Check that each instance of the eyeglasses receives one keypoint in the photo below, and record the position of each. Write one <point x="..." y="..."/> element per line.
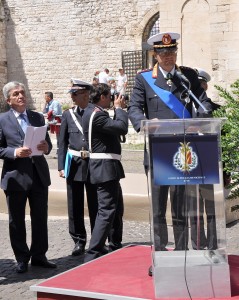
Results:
<point x="80" y="92"/>
<point x="167" y="53"/>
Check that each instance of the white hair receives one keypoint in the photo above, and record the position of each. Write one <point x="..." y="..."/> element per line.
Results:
<point x="11" y="85"/>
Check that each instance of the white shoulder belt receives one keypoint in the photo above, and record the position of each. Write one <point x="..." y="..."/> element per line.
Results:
<point x="76" y="121"/>
<point x="99" y="155"/>
<point x="82" y="153"/>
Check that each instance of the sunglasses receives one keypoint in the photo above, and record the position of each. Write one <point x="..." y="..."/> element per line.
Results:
<point x="80" y="92"/>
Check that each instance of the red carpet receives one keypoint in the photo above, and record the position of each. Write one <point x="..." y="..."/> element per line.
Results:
<point x="119" y="275"/>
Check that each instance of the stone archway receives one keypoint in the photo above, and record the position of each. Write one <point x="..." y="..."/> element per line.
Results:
<point x="134" y="61"/>
<point x="152" y="27"/>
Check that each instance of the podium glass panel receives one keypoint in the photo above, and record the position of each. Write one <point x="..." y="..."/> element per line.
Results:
<point x="189" y="255"/>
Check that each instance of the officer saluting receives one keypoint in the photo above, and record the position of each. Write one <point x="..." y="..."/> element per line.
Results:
<point x="148" y="101"/>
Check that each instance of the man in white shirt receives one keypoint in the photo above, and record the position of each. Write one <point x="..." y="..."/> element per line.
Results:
<point x="104" y="76"/>
<point x="122" y="82"/>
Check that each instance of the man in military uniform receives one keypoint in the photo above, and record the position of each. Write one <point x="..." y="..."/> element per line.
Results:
<point x="148" y="101"/>
<point x="73" y="158"/>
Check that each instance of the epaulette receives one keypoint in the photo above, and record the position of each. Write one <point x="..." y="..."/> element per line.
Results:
<point x="96" y="109"/>
<point x="155" y="71"/>
<point x="145" y="70"/>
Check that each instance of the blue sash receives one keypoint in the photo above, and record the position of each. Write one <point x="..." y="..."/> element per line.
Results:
<point x="168" y="98"/>
<point x="67" y="164"/>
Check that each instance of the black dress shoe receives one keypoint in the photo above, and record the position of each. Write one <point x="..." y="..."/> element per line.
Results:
<point x="22" y="267"/>
<point x="105" y="250"/>
<point x="150" y="271"/>
<point x="114" y="247"/>
<point x="78" y="249"/>
<point x="43" y="263"/>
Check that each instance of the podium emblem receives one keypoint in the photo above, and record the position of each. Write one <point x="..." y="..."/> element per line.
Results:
<point x="185" y="159"/>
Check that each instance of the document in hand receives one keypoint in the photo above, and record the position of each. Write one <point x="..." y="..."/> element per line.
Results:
<point x="33" y="137"/>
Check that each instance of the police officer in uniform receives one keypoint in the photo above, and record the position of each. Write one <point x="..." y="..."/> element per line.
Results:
<point x="148" y="102"/>
<point x="73" y="158"/>
<point x="204" y="78"/>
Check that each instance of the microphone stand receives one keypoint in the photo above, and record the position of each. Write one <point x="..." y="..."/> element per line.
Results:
<point x="190" y="93"/>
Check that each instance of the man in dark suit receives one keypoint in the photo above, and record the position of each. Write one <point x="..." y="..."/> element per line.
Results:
<point x="103" y="135"/>
<point x="73" y="153"/>
<point x="24" y="177"/>
<point x="160" y="94"/>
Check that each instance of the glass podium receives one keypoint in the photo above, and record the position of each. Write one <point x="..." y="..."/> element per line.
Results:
<point x="188" y="224"/>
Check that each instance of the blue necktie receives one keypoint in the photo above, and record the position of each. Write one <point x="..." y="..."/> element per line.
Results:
<point x="23" y="122"/>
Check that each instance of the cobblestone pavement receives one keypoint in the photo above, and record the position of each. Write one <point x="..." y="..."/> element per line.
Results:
<point x="16" y="286"/>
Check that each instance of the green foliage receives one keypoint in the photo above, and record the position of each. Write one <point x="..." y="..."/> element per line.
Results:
<point x="230" y="135"/>
<point x="65" y="106"/>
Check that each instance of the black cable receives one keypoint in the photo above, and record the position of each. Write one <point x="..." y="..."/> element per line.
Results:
<point x="186" y="240"/>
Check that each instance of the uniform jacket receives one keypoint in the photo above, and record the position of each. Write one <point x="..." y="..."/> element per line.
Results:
<point x="17" y="173"/>
<point x="105" y="139"/>
<point x="71" y="137"/>
<point x="145" y="104"/>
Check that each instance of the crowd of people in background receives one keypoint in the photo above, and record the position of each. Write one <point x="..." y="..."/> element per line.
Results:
<point x="118" y="84"/>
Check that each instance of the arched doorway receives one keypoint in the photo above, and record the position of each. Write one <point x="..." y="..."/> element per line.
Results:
<point x="134" y="61"/>
<point x="151" y="28"/>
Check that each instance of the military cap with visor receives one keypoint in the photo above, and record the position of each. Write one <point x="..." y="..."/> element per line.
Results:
<point x="203" y="75"/>
<point x="164" y="41"/>
<point x="78" y="84"/>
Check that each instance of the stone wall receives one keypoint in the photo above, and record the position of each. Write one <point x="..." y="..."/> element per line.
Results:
<point x="50" y="41"/>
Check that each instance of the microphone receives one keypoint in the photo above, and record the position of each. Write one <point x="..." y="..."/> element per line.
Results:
<point x="180" y="79"/>
<point x="181" y="76"/>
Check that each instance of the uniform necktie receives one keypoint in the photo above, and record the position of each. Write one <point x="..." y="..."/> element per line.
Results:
<point x="169" y="79"/>
<point x="23" y="122"/>
<point x="80" y="111"/>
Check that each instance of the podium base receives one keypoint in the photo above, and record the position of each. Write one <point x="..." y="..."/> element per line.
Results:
<point x="172" y="278"/>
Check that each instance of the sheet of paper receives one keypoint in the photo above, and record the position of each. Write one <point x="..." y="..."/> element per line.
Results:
<point x="33" y="137"/>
